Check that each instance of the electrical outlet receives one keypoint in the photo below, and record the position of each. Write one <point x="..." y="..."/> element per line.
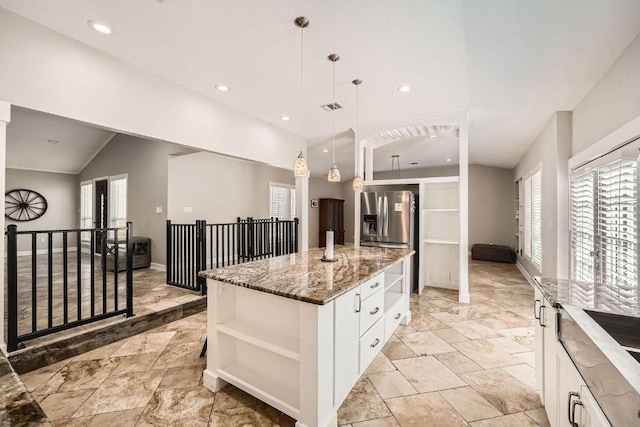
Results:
<point x="158" y="209"/>
<point x="187" y="209"/>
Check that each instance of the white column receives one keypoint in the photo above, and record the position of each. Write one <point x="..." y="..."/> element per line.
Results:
<point x="359" y="159"/>
<point x="5" y="118"/>
<point x="302" y="211"/>
<point x="463" y="192"/>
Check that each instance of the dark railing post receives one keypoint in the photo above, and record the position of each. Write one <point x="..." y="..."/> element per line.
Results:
<point x="250" y="238"/>
<point x="12" y="288"/>
<point x="296" y="222"/>
<point x="129" y="269"/>
<point x="201" y="254"/>
<point x="169" y="260"/>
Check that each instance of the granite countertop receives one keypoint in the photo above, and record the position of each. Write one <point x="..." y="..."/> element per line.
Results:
<point x="304" y="277"/>
<point x="590" y="296"/>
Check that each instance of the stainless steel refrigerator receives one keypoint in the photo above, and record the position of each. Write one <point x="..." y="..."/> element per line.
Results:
<point x="388" y="220"/>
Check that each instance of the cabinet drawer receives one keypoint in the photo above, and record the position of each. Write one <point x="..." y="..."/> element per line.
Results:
<point x="392" y="319"/>
<point x="371" y="310"/>
<point x="370" y="345"/>
<point x="371" y="286"/>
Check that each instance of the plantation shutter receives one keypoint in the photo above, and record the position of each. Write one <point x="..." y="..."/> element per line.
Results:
<point x="536" y="219"/>
<point x="118" y="203"/>
<point x="527" y="217"/>
<point x="617" y="233"/>
<point x="582" y="226"/>
<point x="282" y="201"/>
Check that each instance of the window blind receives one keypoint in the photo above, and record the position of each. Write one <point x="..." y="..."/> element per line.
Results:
<point x="118" y="203"/>
<point x="617" y="233"/>
<point x="536" y="219"/>
<point x="86" y="208"/>
<point x="582" y="225"/>
<point x="282" y="201"/>
<point x="527" y="217"/>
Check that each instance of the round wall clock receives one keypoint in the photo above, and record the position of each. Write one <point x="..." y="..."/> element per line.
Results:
<point x="24" y="205"/>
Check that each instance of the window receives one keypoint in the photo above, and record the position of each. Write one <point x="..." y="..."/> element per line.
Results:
<point x="282" y="201"/>
<point x="533" y="218"/>
<point x="604" y="229"/>
<point x="118" y="203"/>
<point x="86" y="208"/>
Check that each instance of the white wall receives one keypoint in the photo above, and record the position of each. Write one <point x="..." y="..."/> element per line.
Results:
<point x="613" y="101"/>
<point x="219" y="189"/>
<point x="46" y="71"/>
<point x="61" y="192"/>
<point x="551" y="150"/>
<point x="145" y="163"/>
<point x="322" y="189"/>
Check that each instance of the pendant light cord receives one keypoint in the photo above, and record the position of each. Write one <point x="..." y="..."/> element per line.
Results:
<point x="301" y="76"/>
<point x="333" y="114"/>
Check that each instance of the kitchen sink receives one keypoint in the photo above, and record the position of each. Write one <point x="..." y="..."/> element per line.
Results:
<point x="624" y="329"/>
<point x="635" y="354"/>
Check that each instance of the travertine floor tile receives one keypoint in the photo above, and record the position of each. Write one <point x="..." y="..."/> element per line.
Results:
<point x="62" y="405"/>
<point x="503" y="320"/>
<point x="192" y="335"/>
<point x="539" y="416"/>
<point x="486" y="354"/>
<point x="528" y="357"/>
<point x="503" y="391"/>
<point x="515" y="420"/>
<point x="395" y="349"/>
<point x="391" y="384"/>
<point x="127" y="418"/>
<point x="426" y="343"/>
<point x="427" y="374"/>
<point x="145" y="343"/>
<point x="474" y="330"/>
<point x="80" y="375"/>
<point x="457" y="314"/>
<point x="524" y="373"/>
<point x="381" y="422"/>
<point x="362" y="404"/>
<point x="470" y="404"/>
<point x="450" y="335"/>
<point x="425" y="322"/>
<point x="458" y="362"/>
<point x="232" y="397"/>
<point x="101" y="352"/>
<point x="72" y="422"/>
<point x="183" y="407"/>
<point x="260" y="415"/>
<point x="509" y="345"/>
<point x="422" y="410"/>
<point x="380" y="364"/>
<point x="136" y="363"/>
<point x="182" y="354"/>
<point x="181" y="377"/>
<point x="122" y="392"/>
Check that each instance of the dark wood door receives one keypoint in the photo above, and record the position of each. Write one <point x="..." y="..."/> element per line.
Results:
<point x="100" y="209"/>
<point x="331" y="218"/>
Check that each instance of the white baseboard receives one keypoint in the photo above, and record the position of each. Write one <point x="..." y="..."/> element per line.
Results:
<point x="525" y="273"/>
<point x="157" y="266"/>
<point x="45" y="251"/>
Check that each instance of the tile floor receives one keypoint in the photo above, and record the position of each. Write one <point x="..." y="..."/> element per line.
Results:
<point x="455" y="365"/>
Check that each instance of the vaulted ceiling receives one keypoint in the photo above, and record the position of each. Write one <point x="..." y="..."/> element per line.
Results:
<point x="512" y="63"/>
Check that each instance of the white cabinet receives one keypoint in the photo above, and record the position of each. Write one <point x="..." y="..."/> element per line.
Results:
<point x="546" y="343"/>
<point x="440" y="235"/>
<point x="346" y="339"/>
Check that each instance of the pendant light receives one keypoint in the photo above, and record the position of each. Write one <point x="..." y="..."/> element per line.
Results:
<point x="334" y="173"/>
<point x="358" y="183"/>
<point x="300" y="167"/>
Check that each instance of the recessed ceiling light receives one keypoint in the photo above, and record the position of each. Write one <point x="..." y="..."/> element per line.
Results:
<point x="433" y="135"/>
<point x="100" y="27"/>
<point x="404" y="88"/>
<point x="52" y="141"/>
<point x="222" y="88"/>
<point x="285" y="118"/>
<point x="448" y="160"/>
<point x="413" y="163"/>
<point x="325" y="150"/>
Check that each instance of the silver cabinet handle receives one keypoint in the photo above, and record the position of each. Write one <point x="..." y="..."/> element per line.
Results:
<point x="374" y="311"/>
<point x="570" y="407"/>
<point x="374" y="286"/>
<point x="397" y="316"/>
<point x="540" y="318"/>
<point x="535" y="309"/>
<point x="375" y="343"/>
<point x="573" y="412"/>
<point x="358" y="303"/>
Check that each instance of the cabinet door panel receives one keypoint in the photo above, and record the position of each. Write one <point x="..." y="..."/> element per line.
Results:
<point x="347" y="334"/>
<point x="539" y="346"/>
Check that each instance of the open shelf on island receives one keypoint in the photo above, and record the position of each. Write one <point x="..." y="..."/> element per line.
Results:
<point x="390" y="299"/>
<point x="442" y="242"/>
<point x="260" y="337"/>
<point x="278" y="395"/>
<point x="391" y="279"/>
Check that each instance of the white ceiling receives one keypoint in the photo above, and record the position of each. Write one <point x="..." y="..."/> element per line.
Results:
<point x="511" y="62"/>
<point x="28" y="147"/>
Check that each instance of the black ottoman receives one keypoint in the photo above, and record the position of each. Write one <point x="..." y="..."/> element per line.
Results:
<point x="494" y="253"/>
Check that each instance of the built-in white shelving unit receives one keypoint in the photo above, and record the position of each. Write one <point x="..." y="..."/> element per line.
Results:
<point x="440" y="231"/>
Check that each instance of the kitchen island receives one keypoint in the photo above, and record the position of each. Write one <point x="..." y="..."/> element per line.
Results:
<point x="586" y="334"/>
<point x="297" y="332"/>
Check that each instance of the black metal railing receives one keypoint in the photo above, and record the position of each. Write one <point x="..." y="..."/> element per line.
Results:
<point x="195" y="247"/>
<point x="61" y="286"/>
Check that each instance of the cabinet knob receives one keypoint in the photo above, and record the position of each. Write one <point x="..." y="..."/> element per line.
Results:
<point x="374" y="286"/>
<point x="397" y="316"/>
<point x="375" y="343"/>
<point x="374" y="311"/>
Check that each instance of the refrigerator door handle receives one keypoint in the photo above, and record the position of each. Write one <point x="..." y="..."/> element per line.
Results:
<point x="380" y="217"/>
<point x="386" y="216"/>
